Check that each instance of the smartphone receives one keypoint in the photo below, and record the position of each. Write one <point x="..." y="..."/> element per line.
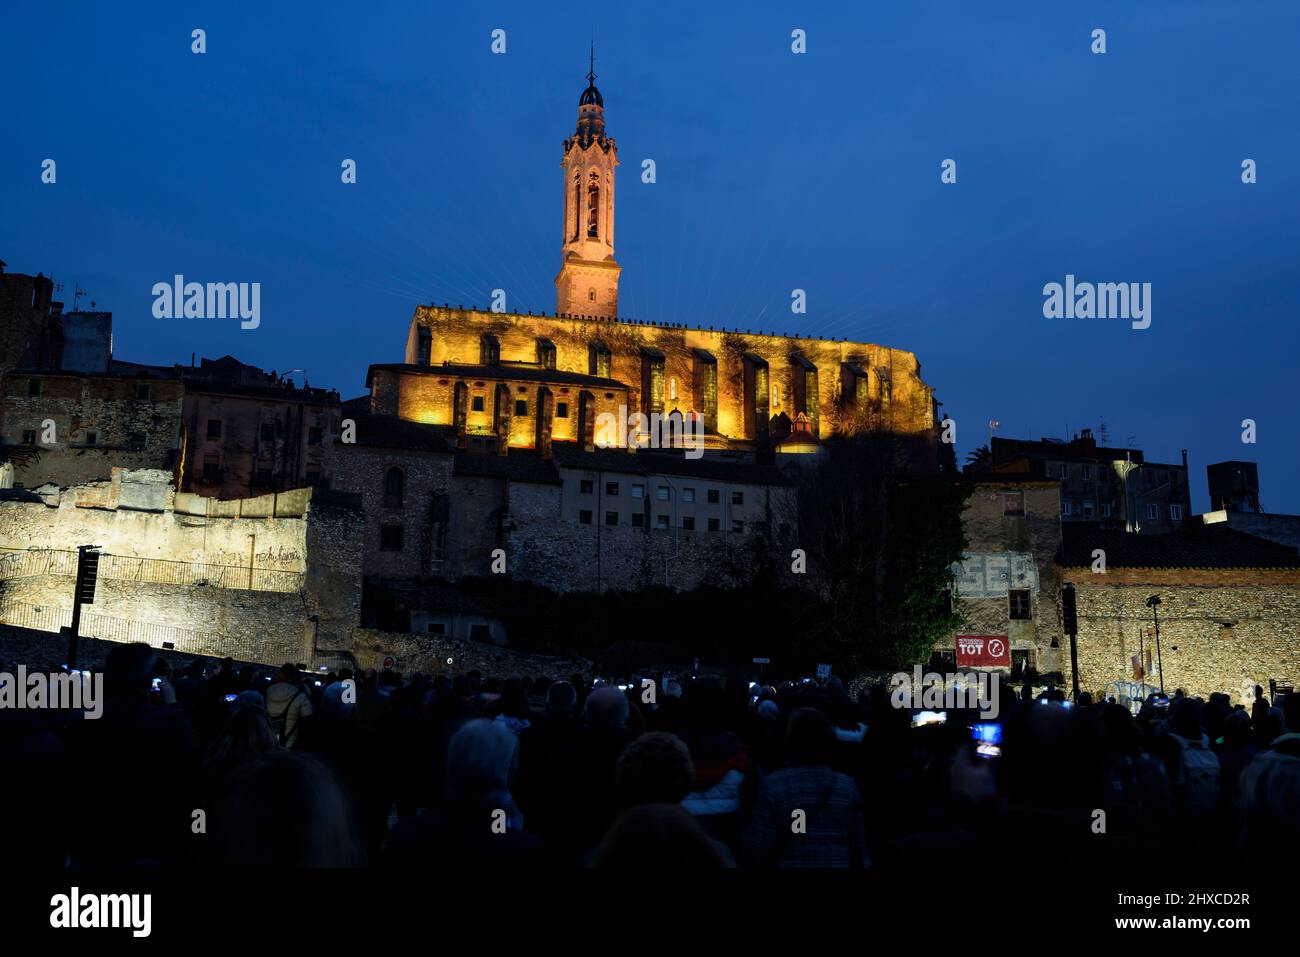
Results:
<point x="231" y="697"/>
<point x="922" y="718"/>
<point x="988" y="739"/>
<point x="156" y="684"/>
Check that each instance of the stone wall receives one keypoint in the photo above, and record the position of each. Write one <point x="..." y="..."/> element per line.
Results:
<point x="174" y="567"/>
<point x="100" y="423"/>
<point x="439" y="655"/>
<point x="1220" y="629"/>
<point x="361" y="469"/>
<point x="268" y="439"/>
<point x="566" y="556"/>
<point x="896" y="397"/>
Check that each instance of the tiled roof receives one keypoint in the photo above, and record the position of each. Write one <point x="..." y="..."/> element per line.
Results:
<point x="520" y="465"/>
<point x="1197" y="546"/>
<point x="390" y="432"/>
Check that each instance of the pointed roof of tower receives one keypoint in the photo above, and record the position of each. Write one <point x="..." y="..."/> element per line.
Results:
<point x="591" y="96"/>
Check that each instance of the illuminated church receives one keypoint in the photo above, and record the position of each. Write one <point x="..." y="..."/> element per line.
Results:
<point x="522" y="381"/>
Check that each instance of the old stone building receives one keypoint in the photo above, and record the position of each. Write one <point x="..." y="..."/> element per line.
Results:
<point x="1109" y="487"/>
<point x="499" y="446"/>
<point x="1007" y="583"/>
<point x="492" y="407"/>
<point x="247" y="431"/>
<point x="30" y="337"/>
<point x="739" y="382"/>
<point x="570" y="521"/>
<point x="276" y="577"/>
<point x="67" y="428"/>
<point x="1229" y="611"/>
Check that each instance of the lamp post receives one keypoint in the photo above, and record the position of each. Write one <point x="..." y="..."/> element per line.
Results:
<point x="1154" y="604"/>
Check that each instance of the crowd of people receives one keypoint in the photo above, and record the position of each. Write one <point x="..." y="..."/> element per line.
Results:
<point x="226" y="765"/>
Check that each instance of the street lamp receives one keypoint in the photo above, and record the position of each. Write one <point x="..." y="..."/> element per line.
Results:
<point x="1154" y="604"/>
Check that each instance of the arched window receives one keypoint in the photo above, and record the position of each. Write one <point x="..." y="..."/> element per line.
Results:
<point x="593" y="207"/>
<point x="577" y="204"/>
<point x="394" y="481"/>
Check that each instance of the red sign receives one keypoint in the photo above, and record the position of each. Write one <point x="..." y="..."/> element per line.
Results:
<point x="983" y="651"/>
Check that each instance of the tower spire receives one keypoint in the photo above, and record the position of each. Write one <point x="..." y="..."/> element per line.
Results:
<point x="588" y="281"/>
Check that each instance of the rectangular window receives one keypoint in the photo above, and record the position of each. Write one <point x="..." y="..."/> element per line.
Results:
<point x="521" y="406"/>
<point x="390" y="538"/>
<point x="1013" y="503"/>
<point x="1067" y="508"/>
<point x="1064" y="472"/>
<point x="611" y="488"/>
<point x="662" y="493"/>
<point x="1087" y="509"/>
<point x="611" y="518"/>
<point x="480" y="632"/>
<point x="638" y="520"/>
<point x="137" y="440"/>
<point x="211" y="472"/>
<point x="214" y="428"/>
<point x="1153" y="511"/>
<point x="1176" y="512"/>
<point x="143" y="391"/>
<point x="586" y="486"/>
<point x="737" y="526"/>
<point x="91" y="438"/>
<point x="714" y="496"/>
<point x="737" y="498"/>
<point x="1019" y="602"/>
<point x="688" y="495"/>
<point x="688" y="522"/>
<point x="1086" y="472"/>
<point x="715" y="525"/>
<point x="1105" y="509"/>
<point x="638" y="491"/>
<point x="314" y="435"/>
<point x="476" y="403"/>
<point x="661" y="521"/>
<point x="584" y="516"/>
<point x="561" y="410"/>
<point x="268" y="432"/>
<point x="29" y="436"/>
<point x="33" y="388"/>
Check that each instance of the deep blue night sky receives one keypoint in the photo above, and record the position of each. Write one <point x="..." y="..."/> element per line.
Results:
<point x="775" y="171"/>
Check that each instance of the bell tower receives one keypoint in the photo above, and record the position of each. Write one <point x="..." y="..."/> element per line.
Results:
<point x="587" y="284"/>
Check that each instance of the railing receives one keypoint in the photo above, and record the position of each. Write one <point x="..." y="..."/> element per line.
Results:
<point x="37" y="562"/>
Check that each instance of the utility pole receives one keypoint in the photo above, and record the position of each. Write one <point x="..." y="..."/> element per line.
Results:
<point x="1154" y="604"/>
<point x="1070" y="617"/>
<point x="83" y="593"/>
